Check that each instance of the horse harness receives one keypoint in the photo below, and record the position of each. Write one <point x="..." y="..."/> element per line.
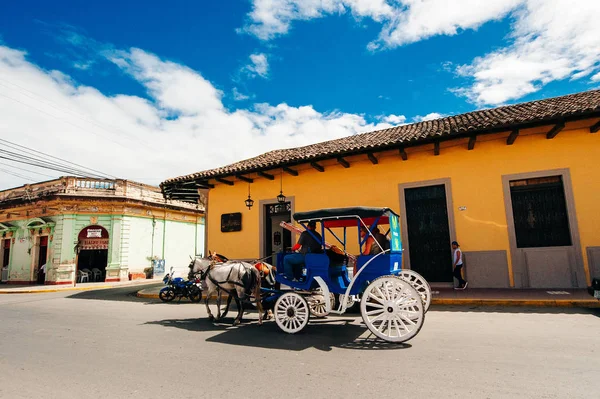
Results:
<point x="206" y="274"/>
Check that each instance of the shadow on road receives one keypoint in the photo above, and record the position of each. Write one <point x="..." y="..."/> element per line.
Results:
<point x="319" y="334"/>
<point x="126" y="294"/>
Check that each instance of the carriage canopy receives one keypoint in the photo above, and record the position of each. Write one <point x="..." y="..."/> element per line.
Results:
<point x="352" y="217"/>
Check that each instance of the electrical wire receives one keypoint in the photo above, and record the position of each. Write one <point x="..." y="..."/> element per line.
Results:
<point x="65" y="121"/>
<point x="49" y="103"/>
<point x="16" y="175"/>
<point x="31" y="151"/>
<point x="45" y="164"/>
<point x="27" y="170"/>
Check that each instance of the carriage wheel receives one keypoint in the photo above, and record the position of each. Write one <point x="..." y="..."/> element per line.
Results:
<point x="350" y="302"/>
<point x="291" y="312"/>
<point x="392" y="309"/>
<point x="317" y="303"/>
<point x="420" y="284"/>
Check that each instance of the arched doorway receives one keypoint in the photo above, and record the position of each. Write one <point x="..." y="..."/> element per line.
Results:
<point x="92" y="248"/>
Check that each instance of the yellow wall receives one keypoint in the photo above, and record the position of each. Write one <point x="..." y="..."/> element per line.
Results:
<point x="475" y="178"/>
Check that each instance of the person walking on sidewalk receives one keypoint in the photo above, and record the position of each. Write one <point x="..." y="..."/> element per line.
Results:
<point x="457" y="263"/>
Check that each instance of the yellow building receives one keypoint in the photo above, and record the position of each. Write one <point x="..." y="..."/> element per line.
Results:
<point x="518" y="187"/>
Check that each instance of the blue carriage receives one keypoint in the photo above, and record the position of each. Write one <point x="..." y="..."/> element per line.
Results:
<point x="392" y="301"/>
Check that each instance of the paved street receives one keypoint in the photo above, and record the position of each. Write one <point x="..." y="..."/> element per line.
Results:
<point x="110" y="344"/>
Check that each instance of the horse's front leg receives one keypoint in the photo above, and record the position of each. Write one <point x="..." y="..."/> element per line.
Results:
<point x="209" y="292"/>
<point x="218" y="304"/>
<point x="238" y="303"/>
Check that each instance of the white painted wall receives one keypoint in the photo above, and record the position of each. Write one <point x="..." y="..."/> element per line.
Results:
<point x="178" y="244"/>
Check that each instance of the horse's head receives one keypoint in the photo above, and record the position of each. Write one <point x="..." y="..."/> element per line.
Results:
<point x="198" y="266"/>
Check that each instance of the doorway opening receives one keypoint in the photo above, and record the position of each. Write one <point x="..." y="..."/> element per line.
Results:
<point x="41" y="260"/>
<point x="92" y="259"/>
<point x="277" y="239"/>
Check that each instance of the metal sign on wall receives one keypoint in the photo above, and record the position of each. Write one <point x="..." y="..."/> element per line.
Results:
<point x="231" y="222"/>
<point x="94" y="233"/>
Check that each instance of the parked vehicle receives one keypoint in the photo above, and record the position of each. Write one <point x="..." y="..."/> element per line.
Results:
<point x="178" y="287"/>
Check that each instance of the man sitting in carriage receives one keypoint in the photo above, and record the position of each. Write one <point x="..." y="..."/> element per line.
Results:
<point x="310" y="241"/>
<point x="376" y="242"/>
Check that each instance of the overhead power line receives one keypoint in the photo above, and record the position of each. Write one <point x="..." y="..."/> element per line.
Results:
<point x="11" y="156"/>
<point x="50" y="103"/>
<point x="17" y="175"/>
<point x="53" y="160"/>
<point x="26" y="170"/>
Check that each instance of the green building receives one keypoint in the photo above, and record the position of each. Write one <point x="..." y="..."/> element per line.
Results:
<point x="86" y="230"/>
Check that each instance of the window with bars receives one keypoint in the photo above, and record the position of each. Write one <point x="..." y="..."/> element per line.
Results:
<point x="540" y="212"/>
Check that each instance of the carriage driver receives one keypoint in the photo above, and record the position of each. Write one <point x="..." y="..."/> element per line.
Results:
<point x="306" y="244"/>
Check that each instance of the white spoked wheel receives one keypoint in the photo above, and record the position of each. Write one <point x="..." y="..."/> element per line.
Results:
<point x="392" y="309"/>
<point x="349" y="300"/>
<point x="291" y="312"/>
<point x="316" y="303"/>
<point x="420" y="284"/>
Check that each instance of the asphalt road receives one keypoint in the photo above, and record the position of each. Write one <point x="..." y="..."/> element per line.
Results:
<point x="110" y="344"/>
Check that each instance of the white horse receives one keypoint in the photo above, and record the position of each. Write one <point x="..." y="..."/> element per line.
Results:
<point x="238" y="279"/>
<point x="267" y="278"/>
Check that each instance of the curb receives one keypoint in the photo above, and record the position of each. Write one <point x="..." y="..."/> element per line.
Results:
<point x="43" y="291"/>
<point x="557" y="303"/>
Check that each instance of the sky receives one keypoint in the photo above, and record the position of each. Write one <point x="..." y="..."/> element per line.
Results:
<point x="148" y="90"/>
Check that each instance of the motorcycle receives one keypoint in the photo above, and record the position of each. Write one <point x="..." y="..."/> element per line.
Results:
<point x="178" y="287"/>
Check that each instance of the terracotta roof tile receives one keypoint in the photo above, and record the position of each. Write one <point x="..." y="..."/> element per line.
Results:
<point x="585" y="103"/>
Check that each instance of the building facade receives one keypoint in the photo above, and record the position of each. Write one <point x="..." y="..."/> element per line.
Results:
<point x="517" y="186"/>
<point x="94" y="230"/>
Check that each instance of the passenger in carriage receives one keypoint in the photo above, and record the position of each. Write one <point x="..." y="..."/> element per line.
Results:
<point x="371" y="247"/>
<point x="306" y="244"/>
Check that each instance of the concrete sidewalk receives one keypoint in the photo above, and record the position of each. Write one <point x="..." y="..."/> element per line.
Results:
<point x="487" y="297"/>
<point x="41" y="289"/>
<point x="515" y="297"/>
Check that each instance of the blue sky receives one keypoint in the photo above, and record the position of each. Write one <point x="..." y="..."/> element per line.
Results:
<point x="244" y="77"/>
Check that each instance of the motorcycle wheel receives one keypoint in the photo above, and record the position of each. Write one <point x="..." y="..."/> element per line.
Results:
<point x="167" y="295"/>
<point x="195" y="294"/>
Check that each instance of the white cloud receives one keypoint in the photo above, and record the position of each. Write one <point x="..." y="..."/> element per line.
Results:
<point x="415" y="20"/>
<point x="429" y="117"/>
<point x="549" y="40"/>
<point x="271" y="18"/>
<point x="393" y="119"/>
<point x="403" y="21"/>
<point x="259" y="66"/>
<point x="183" y="128"/>
<point x="552" y="40"/>
<point x="238" y="96"/>
<point x="596" y="77"/>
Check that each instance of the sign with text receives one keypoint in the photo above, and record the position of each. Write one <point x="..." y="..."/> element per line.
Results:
<point x="94" y="233"/>
<point x="231" y="222"/>
<point x="93" y="243"/>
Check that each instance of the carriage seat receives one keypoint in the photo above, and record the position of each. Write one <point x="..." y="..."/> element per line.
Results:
<point x="316" y="262"/>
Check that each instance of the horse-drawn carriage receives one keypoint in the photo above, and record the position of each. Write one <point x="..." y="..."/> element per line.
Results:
<point x="393" y="301"/>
